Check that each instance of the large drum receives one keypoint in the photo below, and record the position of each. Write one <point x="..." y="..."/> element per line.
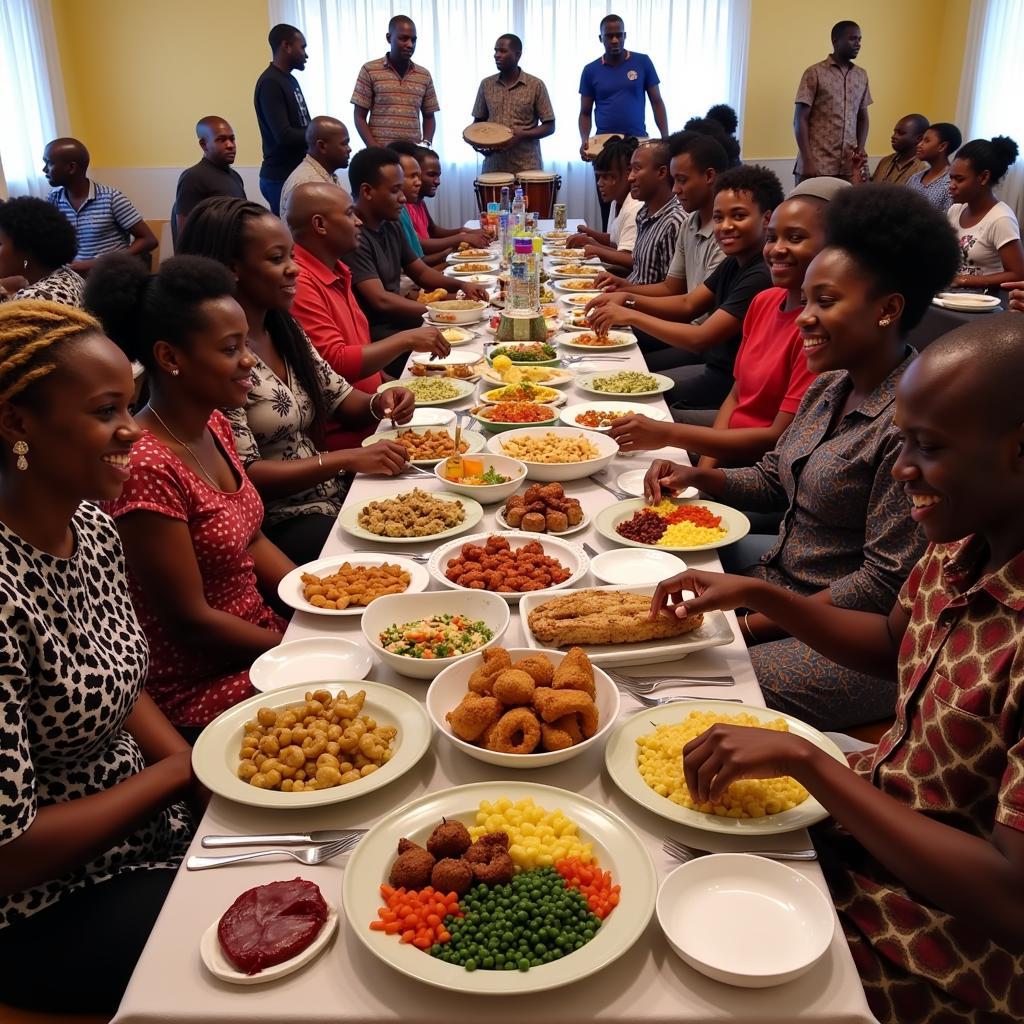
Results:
<point x="489" y="185"/>
<point x="540" y="189"/>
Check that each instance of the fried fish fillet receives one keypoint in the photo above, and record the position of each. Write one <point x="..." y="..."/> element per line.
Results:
<point x="603" y="617"/>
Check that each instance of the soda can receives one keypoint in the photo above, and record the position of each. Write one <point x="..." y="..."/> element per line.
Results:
<point x="561" y="216"/>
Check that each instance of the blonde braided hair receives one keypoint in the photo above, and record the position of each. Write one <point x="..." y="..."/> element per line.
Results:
<point x="31" y="330"/>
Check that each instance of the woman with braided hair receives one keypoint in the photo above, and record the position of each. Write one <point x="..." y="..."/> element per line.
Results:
<point x="91" y="774"/>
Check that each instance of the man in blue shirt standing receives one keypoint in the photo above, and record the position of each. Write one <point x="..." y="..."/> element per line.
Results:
<point x="619" y="84"/>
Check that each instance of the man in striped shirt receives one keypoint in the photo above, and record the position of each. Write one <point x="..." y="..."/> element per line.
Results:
<point x="103" y="217"/>
<point x="390" y="94"/>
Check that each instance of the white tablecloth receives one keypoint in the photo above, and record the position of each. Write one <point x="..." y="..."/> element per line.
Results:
<point x="347" y="983"/>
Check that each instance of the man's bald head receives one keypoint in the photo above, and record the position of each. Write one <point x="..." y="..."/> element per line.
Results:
<point x="217" y="140"/>
<point x="65" y="160"/>
<point x="327" y="142"/>
<point x="323" y="220"/>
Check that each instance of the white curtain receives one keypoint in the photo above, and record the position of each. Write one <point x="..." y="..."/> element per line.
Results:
<point x="699" y="48"/>
<point x="32" y="111"/>
<point x="993" y="84"/>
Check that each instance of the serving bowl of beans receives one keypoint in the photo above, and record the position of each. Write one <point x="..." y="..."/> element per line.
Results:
<point x="556" y="454"/>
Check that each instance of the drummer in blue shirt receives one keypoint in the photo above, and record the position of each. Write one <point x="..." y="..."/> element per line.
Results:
<point x="619" y="83"/>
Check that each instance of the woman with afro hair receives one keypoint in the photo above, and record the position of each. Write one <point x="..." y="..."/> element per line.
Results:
<point x="37" y="242"/>
<point x="847" y="538"/>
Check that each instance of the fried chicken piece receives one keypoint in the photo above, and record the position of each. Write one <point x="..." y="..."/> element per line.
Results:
<point x="495" y="660"/>
<point x="562" y="733"/>
<point x="473" y="716"/>
<point x="538" y="666"/>
<point x="575" y="672"/>
<point x="499" y="870"/>
<point x="514" y="686"/>
<point x="554" y="704"/>
<point x="449" y="839"/>
<point x="412" y="869"/>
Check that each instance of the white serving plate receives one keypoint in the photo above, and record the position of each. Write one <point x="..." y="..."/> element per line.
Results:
<point x="967" y="302"/>
<point x="559" y="472"/>
<point x="714" y="632"/>
<point x="492" y="268"/>
<point x="402" y="608"/>
<point x="557" y="271"/>
<point x="464" y="388"/>
<point x="223" y="969"/>
<point x="467" y="357"/>
<point x="349" y="520"/>
<point x="562" y="287"/>
<point x="484" y="280"/>
<point x="492" y="377"/>
<point x="458" y="335"/>
<point x="633" y="480"/>
<point x="745" y="920"/>
<point x="461" y="317"/>
<point x="424" y="416"/>
<point x="635" y="567"/>
<point x="584" y="382"/>
<point x="499" y="518"/>
<point x="619" y="340"/>
<point x="469" y="321"/>
<point x="618" y="850"/>
<point x="448" y="689"/>
<point x="473" y="439"/>
<point x="489" y="398"/>
<point x="620" y="760"/>
<point x="736" y="523"/>
<point x="215" y="754"/>
<point x="309" y="661"/>
<point x="454" y="257"/>
<point x="577" y="299"/>
<point x="570" y="412"/>
<point x="290" y="587"/>
<point x="572" y="556"/>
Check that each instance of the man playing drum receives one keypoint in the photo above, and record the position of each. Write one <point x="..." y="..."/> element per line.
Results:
<point x="520" y="102"/>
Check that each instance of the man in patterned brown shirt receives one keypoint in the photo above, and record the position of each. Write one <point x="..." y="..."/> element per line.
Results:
<point x="519" y="101"/>
<point x="831" y="118"/>
<point x="925" y="859"/>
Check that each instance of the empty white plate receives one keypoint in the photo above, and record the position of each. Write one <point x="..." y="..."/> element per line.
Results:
<point x="633" y="483"/>
<point x="424" y="416"/>
<point x="745" y="920"/>
<point x="221" y="967"/>
<point x="314" y="659"/>
<point x="635" y="566"/>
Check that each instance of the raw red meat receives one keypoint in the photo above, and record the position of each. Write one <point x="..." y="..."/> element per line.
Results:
<point x="271" y="923"/>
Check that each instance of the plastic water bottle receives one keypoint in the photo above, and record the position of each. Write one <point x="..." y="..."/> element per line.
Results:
<point x="518" y="211"/>
<point x="536" y="262"/>
<point x="519" y="286"/>
<point x="505" y="198"/>
<point x="505" y="237"/>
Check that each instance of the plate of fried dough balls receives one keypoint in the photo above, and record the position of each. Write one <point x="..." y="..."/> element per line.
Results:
<point x="519" y="707"/>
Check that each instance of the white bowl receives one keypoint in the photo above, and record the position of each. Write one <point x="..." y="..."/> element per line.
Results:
<point x="572" y="556"/>
<point x="402" y="608"/>
<point x="745" y="920"/>
<point x="570" y="412"/>
<point x="312" y="660"/>
<point x="632" y="481"/>
<point x="460" y="357"/>
<point x="443" y="312"/>
<point x="425" y="416"/>
<point x="487" y="494"/>
<point x="451" y="686"/>
<point x="552" y="472"/>
<point x="635" y="566"/>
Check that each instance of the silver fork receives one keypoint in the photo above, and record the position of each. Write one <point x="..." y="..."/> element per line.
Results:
<point x="681" y="852"/>
<point x="313" y="855"/>
<point x="648" y="684"/>
<point x="657" y="702"/>
<point x="573" y="360"/>
<point x="621" y="495"/>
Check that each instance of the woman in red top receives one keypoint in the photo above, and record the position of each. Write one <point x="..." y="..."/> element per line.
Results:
<point x="189" y="518"/>
<point x="771" y="373"/>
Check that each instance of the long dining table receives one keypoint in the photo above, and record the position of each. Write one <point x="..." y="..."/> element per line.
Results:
<point x="346" y="983"/>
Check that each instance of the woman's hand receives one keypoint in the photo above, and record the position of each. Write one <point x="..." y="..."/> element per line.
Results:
<point x="385" y="458"/>
<point x="712" y="591"/>
<point x="725" y="754"/>
<point x="638" y="433"/>
<point x="396" y="404"/>
<point x="1016" y="290"/>
<point x="428" y="339"/>
<point x="608" y="315"/>
<point x="666" y="478"/>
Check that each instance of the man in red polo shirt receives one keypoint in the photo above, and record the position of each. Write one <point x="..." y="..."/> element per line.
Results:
<point x="325" y="227"/>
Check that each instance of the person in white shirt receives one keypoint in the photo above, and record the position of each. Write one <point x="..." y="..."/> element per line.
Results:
<point x="990" y="248"/>
<point x="327" y="150"/>
<point x="613" y="247"/>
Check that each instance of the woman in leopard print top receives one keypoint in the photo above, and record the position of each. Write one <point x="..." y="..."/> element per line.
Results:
<point x="37" y="242"/>
<point x="91" y="774"/>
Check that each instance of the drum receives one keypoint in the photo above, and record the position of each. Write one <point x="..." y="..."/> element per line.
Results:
<point x="489" y="185"/>
<point x="539" y="190"/>
<point x="484" y="134"/>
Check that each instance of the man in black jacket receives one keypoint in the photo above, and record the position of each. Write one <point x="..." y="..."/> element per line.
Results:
<point x="281" y="112"/>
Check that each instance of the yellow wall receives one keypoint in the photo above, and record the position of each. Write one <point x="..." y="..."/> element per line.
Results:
<point x="913" y="53"/>
<point x="139" y="73"/>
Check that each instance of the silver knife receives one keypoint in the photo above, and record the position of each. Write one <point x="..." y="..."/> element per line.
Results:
<point x="323" y="835"/>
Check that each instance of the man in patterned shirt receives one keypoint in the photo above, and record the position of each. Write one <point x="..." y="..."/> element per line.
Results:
<point x="519" y="101"/>
<point x="831" y="117"/>
<point x="390" y="94"/>
<point x="103" y="217"/>
<point x="925" y="861"/>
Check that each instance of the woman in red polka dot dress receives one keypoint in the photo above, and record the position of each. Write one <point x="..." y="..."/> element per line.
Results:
<point x="189" y="517"/>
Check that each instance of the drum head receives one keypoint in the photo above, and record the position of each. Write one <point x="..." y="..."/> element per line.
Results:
<point x="597" y="142"/>
<point x="496" y="178"/>
<point x="487" y="133"/>
<point x="535" y="176"/>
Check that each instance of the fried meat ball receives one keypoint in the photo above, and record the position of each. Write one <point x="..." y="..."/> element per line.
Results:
<point x="412" y="868"/>
<point x="452" y="875"/>
<point x="537" y="667"/>
<point x="497" y="869"/>
<point x="495" y="661"/>
<point x="473" y="716"/>
<point x="514" y="686"/>
<point x="449" y="839"/>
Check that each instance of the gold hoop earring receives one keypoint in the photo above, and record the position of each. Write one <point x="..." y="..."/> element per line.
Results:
<point x="885" y="321"/>
<point x="21" y="450"/>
